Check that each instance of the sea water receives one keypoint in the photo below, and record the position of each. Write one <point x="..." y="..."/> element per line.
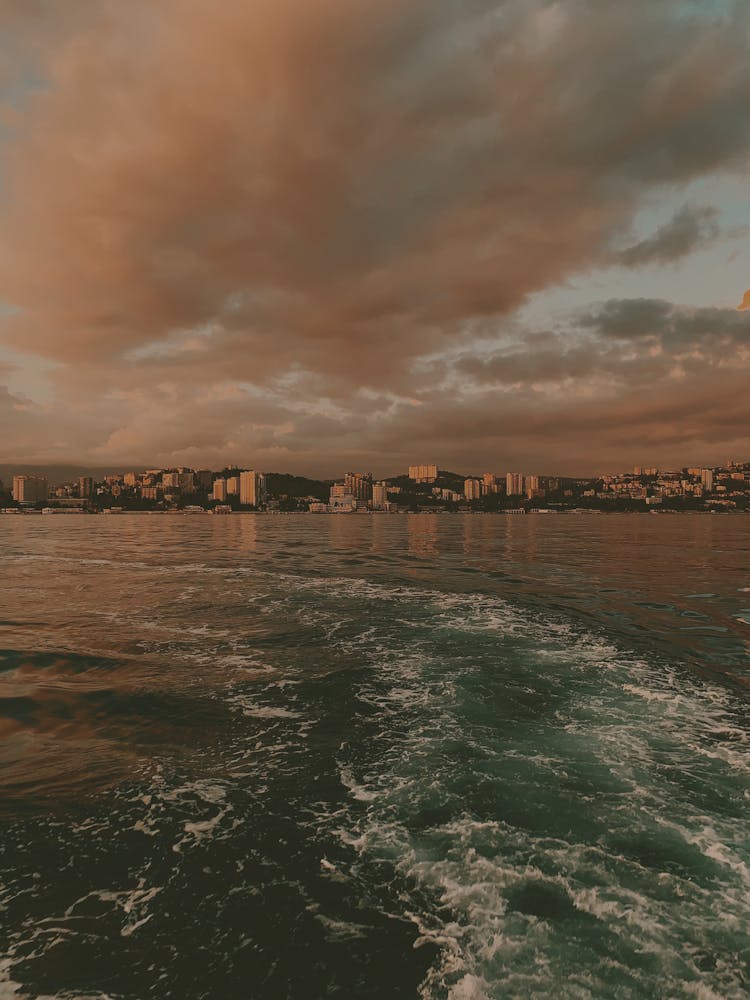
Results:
<point x="375" y="756"/>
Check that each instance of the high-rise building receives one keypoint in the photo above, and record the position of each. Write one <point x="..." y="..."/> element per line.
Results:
<point x="220" y="490"/>
<point x="29" y="489"/>
<point x="379" y="496"/>
<point x="514" y="484"/>
<point x="252" y="488"/>
<point x="233" y="486"/>
<point x="532" y="487"/>
<point x="359" y="484"/>
<point x="181" y="480"/>
<point x="204" y="478"/>
<point x="186" y="480"/>
<point x="707" y="479"/>
<point x="472" y="489"/>
<point x="85" y="487"/>
<point x="489" y="482"/>
<point x="423" y="473"/>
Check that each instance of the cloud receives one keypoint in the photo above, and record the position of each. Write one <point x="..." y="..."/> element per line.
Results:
<point x="672" y="326"/>
<point x="745" y="304"/>
<point x="691" y="228"/>
<point x="297" y="202"/>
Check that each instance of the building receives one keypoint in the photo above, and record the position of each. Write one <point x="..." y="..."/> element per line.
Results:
<point x="204" y="478"/>
<point x="85" y="487"/>
<point x="359" y="484"/>
<point x="532" y="487"/>
<point x="179" y="480"/>
<point x="151" y="492"/>
<point x="340" y="498"/>
<point x="233" y="486"/>
<point x="252" y="488"/>
<point x="220" y="490"/>
<point x="514" y="484"/>
<point x="130" y="479"/>
<point x="342" y="502"/>
<point x="29" y="489"/>
<point x="707" y="479"/>
<point x="423" y="473"/>
<point x="489" y="482"/>
<point x="379" y="496"/>
<point x="472" y="489"/>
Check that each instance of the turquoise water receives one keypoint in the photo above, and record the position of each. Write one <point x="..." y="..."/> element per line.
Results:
<point x="387" y="756"/>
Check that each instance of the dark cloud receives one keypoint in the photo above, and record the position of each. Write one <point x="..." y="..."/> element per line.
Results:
<point x="693" y="227"/>
<point x="673" y="327"/>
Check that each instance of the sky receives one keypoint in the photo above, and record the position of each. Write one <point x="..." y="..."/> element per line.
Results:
<point x="321" y="235"/>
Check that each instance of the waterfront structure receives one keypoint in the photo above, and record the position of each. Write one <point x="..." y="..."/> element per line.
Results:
<point x="342" y="502"/>
<point x="252" y="488"/>
<point x="341" y="498"/>
<point x="423" y="473"/>
<point x="29" y="489"/>
<point x="220" y="490"/>
<point x="85" y="487"/>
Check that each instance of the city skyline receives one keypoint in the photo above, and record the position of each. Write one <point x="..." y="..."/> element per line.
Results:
<point x="419" y="473"/>
<point x="375" y="232"/>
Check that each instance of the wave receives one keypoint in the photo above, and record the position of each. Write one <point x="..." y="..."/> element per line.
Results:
<point x="549" y="792"/>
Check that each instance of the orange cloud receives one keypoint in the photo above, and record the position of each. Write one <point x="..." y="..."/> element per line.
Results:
<point x="318" y="193"/>
<point x="745" y="304"/>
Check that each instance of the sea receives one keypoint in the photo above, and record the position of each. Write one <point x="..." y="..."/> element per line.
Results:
<point x="374" y="756"/>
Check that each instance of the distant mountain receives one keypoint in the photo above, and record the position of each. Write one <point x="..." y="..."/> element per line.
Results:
<point x="282" y="483"/>
<point x="57" y="474"/>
